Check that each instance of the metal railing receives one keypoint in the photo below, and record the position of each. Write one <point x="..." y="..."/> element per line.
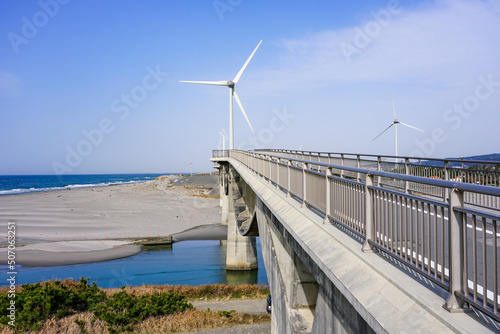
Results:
<point x="448" y="242"/>
<point x="484" y="173"/>
<point x="220" y="153"/>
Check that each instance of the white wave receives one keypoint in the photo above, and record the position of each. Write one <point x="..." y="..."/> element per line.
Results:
<point x="70" y="186"/>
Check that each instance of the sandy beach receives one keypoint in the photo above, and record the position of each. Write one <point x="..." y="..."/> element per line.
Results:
<point x="83" y="225"/>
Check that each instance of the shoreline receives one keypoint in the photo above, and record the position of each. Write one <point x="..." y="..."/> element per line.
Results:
<point x="60" y="227"/>
<point x="64" y="253"/>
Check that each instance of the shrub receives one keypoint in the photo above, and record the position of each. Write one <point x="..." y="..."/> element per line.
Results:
<point x="123" y="310"/>
<point x="37" y="302"/>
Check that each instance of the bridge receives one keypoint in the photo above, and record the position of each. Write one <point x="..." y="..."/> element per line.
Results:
<point x="363" y="243"/>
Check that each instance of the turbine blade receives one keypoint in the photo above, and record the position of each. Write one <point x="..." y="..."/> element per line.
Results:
<point x="237" y="77"/>
<point x="411" y="126"/>
<point x="216" y="83"/>
<point x="393" y="108"/>
<point x="383" y="131"/>
<point x="242" y="110"/>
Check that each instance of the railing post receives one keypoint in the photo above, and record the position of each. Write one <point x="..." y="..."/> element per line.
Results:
<point x="342" y="164"/>
<point x="369" y="222"/>
<point x="288" y="178"/>
<point x="358" y="164"/>
<point x="328" y="199"/>
<point x="379" y="168"/>
<point x="407" y="172"/>
<point x="278" y="173"/>
<point x="305" y="166"/>
<point x="457" y="274"/>
<point x="270" y="161"/>
<point x="447" y="178"/>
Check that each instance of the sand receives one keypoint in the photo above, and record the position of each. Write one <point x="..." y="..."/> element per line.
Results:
<point x="79" y="225"/>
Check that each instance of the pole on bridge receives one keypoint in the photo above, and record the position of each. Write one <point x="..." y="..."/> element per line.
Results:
<point x="327" y="197"/>
<point x="447" y="178"/>
<point x="369" y="221"/>
<point x="457" y="273"/>
<point x="407" y="172"/>
<point x="289" y="163"/>
<point x="305" y="166"/>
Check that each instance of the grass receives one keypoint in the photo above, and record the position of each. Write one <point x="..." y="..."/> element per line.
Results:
<point x="188" y="321"/>
<point x="215" y="292"/>
<point x="129" y="309"/>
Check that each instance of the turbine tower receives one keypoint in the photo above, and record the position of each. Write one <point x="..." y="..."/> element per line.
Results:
<point x="395" y="123"/>
<point x="232" y="93"/>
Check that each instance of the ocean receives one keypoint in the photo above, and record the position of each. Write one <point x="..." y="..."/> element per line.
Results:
<point x="185" y="263"/>
<point x="21" y="184"/>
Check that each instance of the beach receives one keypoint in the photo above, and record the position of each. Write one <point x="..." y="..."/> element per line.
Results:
<point x="101" y="223"/>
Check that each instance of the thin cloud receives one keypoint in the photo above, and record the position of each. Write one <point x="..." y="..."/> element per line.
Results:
<point x="10" y="85"/>
<point x="448" y="42"/>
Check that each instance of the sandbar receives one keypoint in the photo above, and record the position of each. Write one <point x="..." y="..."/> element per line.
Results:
<point x="79" y="225"/>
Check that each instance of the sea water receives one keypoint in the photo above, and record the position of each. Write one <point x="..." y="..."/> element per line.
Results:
<point x="21" y="184"/>
<point x="183" y="263"/>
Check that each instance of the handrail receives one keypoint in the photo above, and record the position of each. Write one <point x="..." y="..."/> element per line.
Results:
<point x="437" y="238"/>
<point x="408" y="166"/>
<point x="434" y="182"/>
<point x="483" y="162"/>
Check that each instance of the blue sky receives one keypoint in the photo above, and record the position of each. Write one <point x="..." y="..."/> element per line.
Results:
<point x="93" y="86"/>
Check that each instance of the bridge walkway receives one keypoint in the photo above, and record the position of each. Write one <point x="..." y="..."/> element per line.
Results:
<point x="388" y="295"/>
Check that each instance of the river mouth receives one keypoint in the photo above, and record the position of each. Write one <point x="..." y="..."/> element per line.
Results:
<point x="183" y="263"/>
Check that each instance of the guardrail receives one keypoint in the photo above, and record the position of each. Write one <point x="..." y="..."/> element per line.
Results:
<point x="486" y="172"/>
<point x="447" y="241"/>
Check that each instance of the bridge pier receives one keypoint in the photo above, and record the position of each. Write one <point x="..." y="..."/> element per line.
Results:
<point x="224" y="191"/>
<point x="241" y="251"/>
<point x="304" y="298"/>
<point x="294" y="289"/>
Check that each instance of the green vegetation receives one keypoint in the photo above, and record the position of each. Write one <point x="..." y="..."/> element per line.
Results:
<point x="38" y="302"/>
<point x="205" y="292"/>
<point x="58" y="306"/>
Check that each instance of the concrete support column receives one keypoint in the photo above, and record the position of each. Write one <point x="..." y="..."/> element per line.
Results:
<point x="224" y="193"/>
<point x="241" y="251"/>
<point x="335" y="314"/>
<point x="324" y="318"/>
<point x="294" y="290"/>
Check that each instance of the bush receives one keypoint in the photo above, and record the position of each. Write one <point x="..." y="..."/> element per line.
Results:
<point x="40" y="301"/>
<point x="121" y="311"/>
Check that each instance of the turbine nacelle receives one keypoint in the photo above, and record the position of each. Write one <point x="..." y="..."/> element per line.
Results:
<point x="395" y="123"/>
<point x="233" y="94"/>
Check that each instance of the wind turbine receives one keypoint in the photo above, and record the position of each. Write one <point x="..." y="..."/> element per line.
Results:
<point x="232" y="93"/>
<point x="222" y="140"/>
<point x="395" y="123"/>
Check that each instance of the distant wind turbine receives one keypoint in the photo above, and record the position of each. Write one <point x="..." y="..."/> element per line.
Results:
<point x="395" y="123"/>
<point x="222" y="140"/>
<point x="232" y="93"/>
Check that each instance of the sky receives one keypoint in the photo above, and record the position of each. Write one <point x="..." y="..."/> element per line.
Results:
<point x="93" y="86"/>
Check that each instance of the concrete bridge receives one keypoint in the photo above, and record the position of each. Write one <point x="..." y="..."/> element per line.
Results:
<point x="361" y="244"/>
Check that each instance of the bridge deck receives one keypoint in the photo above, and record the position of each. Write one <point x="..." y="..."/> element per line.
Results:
<point x="389" y="297"/>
